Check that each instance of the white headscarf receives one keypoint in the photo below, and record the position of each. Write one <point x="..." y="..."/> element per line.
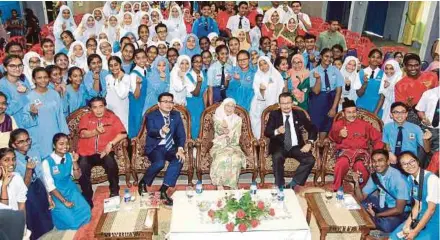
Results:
<point x="355" y="83"/>
<point x="270" y="13"/>
<point x="220" y="114"/>
<point x="81" y="61"/>
<point x="111" y="31"/>
<point x="149" y="6"/>
<point x="272" y="79"/>
<point x="388" y="92"/>
<point x="58" y="27"/>
<point x="121" y="9"/>
<point x="101" y="54"/>
<point x="89" y="30"/>
<point x="139" y="8"/>
<point x="176" y="40"/>
<point x="161" y="43"/>
<point x="99" y="24"/>
<point x="176" y="26"/>
<point x="27" y="69"/>
<point x="133" y="27"/>
<point x="160" y="15"/>
<point x="178" y="85"/>
<point x="139" y="15"/>
<point x="107" y="9"/>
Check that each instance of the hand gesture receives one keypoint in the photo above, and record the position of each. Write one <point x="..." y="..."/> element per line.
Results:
<point x="199" y="78"/>
<point x="180" y="155"/>
<point x="355" y="176"/>
<point x="68" y="204"/>
<point x="427" y="135"/>
<point x="343" y="133"/>
<point x="316" y="75"/>
<point x="393" y="158"/>
<point x="237" y="76"/>
<point x="262" y="86"/>
<point x="138" y="80"/>
<point x="107" y="150"/>
<point x="228" y="77"/>
<point x="63" y="26"/>
<point x="51" y="202"/>
<point x="426" y="122"/>
<point x="6" y="176"/>
<point x="224" y="124"/>
<point x="386" y="84"/>
<point x="181" y="75"/>
<point x="118" y="33"/>
<point x="301" y="17"/>
<point x="347" y="81"/>
<point x="75" y="156"/>
<point x="100" y="128"/>
<point x="370" y="210"/>
<point x="31" y="164"/>
<point x="411" y="235"/>
<point x="34" y="108"/>
<point x="312" y="57"/>
<point x="306" y="148"/>
<point x="272" y="27"/>
<point x="366" y="78"/>
<point x="165" y="129"/>
<point x="332" y="113"/>
<point x="281" y="129"/>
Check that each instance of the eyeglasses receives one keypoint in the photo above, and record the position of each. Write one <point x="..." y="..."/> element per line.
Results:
<point x="398" y="113"/>
<point x="243" y="60"/>
<point x="21" y="142"/>
<point x="3" y="104"/>
<point x="14" y="66"/>
<point x="296" y="63"/>
<point x="411" y="163"/>
<point x="167" y="102"/>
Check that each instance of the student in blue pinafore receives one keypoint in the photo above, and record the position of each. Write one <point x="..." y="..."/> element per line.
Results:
<point x="158" y="82"/>
<point x="370" y="78"/>
<point x="138" y="92"/>
<point x="423" y="222"/>
<point x="28" y="164"/>
<point x="76" y="93"/>
<point x="243" y="77"/>
<point x="71" y="210"/>
<point x="326" y="83"/>
<point x="198" y="100"/>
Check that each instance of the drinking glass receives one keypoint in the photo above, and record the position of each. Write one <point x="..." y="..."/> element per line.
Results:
<point x="274" y="192"/>
<point x="190" y="193"/>
<point x="328" y="195"/>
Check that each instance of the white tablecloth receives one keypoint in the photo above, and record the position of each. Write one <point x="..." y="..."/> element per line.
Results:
<point x="186" y="222"/>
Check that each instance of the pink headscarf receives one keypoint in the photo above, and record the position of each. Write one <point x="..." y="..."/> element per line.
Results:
<point x="298" y="76"/>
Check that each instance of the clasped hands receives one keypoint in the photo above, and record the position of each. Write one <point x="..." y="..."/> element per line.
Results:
<point x="180" y="155"/>
<point x="305" y="149"/>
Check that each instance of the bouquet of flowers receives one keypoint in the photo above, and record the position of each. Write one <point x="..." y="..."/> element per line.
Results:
<point x="244" y="212"/>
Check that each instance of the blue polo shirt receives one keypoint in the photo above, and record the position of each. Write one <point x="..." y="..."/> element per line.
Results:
<point x="335" y="77"/>
<point x="412" y="136"/>
<point x="306" y="58"/>
<point x="394" y="182"/>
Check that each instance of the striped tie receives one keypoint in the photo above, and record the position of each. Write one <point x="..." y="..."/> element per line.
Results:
<point x="168" y="138"/>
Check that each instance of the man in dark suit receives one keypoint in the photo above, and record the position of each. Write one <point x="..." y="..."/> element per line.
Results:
<point x="165" y="142"/>
<point x="285" y="129"/>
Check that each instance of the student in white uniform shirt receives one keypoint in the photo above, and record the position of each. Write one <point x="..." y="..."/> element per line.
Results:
<point x="302" y="18"/>
<point x="12" y="188"/>
<point x="428" y="111"/>
<point x="255" y="33"/>
<point x="239" y="21"/>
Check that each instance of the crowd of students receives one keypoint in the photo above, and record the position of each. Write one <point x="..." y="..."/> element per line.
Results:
<point x="127" y="57"/>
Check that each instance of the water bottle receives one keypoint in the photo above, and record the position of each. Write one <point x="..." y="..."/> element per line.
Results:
<point x="199" y="187"/>
<point x="340" y="195"/>
<point x="253" y="188"/>
<point x="281" y="194"/>
<point x="127" y="195"/>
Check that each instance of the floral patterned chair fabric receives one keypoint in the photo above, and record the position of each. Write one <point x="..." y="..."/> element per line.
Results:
<point x="329" y="155"/>
<point x="140" y="162"/>
<point x="290" y="164"/>
<point x="204" y="143"/>
<point x="120" y="149"/>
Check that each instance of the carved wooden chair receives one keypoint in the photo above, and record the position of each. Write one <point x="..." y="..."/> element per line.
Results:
<point x="139" y="160"/>
<point x="329" y="153"/>
<point x="120" y="149"/>
<point x="291" y="164"/>
<point x="204" y="143"/>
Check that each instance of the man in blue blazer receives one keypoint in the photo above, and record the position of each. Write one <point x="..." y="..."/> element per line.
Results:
<point x="165" y="142"/>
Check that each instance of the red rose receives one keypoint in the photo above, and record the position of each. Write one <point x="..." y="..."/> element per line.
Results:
<point x="230" y="227"/>
<point x="241" y="214"/>
<point x="254" y="223"/>
<point x="219" y="203"/>
<point x="242" y="227"/>
<point x="211" y="213"/>
<point x="260" y="205"/>
<point x="272" y="212"/>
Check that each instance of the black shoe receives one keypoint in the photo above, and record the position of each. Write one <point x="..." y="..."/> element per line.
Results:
<point x="164" y="196"/>
<point x="142" y="187"/>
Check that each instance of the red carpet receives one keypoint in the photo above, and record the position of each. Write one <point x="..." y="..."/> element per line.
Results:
<point x="87" y="232"/>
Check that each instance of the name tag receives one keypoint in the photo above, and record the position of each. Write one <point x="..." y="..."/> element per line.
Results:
<point x="412" y="136"/>
<point x="55" y="170"/>
<point x="415" y="191"/>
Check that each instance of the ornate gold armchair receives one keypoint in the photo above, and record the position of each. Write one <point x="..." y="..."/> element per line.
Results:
<point x="204" y="143"/>
<point x="291" y="164"/>
<point x="140" y="162"/>
<point x="329" y="154"/>
<point x="120" y="149"/>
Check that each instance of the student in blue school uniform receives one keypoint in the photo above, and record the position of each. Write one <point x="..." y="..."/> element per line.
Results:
<point x="219" y="75"/>
<point x="311" y="55"/>
<point x="386" y="195"/>
<point x="423" y="221"/>
<point x="205" y="25"/>
<point x="94" y="79"/>
<point x="71" y="210"/>
<point x="370" y="79"/>
<point x="28" y="164"/>
<point x="401" y="135"/>
<point x="242" y="82"/>
<point x="198" y="100"/>
<point x="326" y="83"/>
<point x="76" y="93"/>
<point x="158" y="82"/>
<point x="138" y="92"/>
<point x="46" y="115"/>
<point x="127" y="57"/>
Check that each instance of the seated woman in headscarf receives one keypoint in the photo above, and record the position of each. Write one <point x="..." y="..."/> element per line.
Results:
<point x="226" y="153"/>
<point x="273" y="27"/>
<point x="241" y="35"/>
<point x="64" y="22"/>
<point x="86" y="29"/>
<point x="299" y="76"/>
<point x="190" y="46"/>
<point x="288" y="33"/>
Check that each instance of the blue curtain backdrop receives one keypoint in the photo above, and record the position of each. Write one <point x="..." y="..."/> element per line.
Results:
<point x="6" y="7"/>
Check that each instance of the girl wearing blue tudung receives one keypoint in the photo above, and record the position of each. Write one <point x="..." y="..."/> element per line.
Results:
<point x="158" y="82"/>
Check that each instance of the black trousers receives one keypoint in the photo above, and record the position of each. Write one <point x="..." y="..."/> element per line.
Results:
<point x="306" y="163"/>
<point x="86" y="163"/>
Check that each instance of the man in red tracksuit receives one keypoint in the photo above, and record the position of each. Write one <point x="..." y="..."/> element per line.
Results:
<point x="352" y="137"/>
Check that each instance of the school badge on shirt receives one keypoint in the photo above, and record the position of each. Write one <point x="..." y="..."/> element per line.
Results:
<point x="55" y="170"/>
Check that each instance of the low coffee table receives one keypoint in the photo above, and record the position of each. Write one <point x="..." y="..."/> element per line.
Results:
<point x="333" y="219"/>
<point x="135" y="223"/>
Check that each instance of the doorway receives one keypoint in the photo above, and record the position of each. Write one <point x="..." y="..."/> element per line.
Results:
<point x="339" y="11"/>
<point x="376" y="17"/>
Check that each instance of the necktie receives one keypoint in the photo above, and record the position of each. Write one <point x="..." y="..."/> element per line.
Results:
<point x="240" y="25"/>
<point x="287" y="135"/>
<point x="222" y="83"/>
<point x="100" y="86"/>
<point x="145" y="72"/>
<point x="435" y="120"/>
<point x="327" y="81"/>
<point x="309" y="62"/>
<point x="63" y="160"/>
<point x="372" y="75"/>
<point x="168" y="138"/>
<point x="398" y="148"/>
